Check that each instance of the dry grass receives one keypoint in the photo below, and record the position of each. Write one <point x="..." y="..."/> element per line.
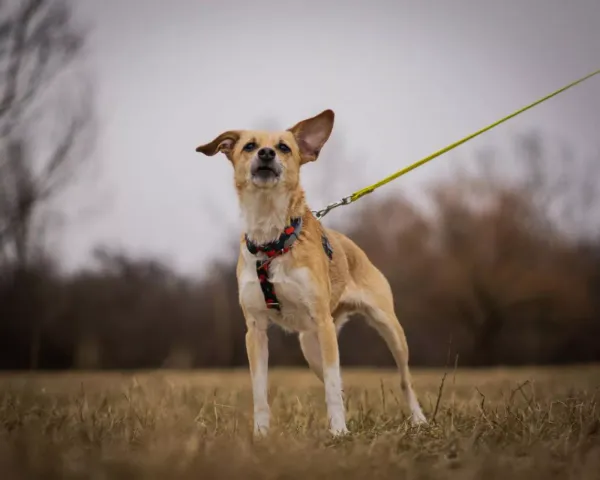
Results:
<point x="526" y="423"/>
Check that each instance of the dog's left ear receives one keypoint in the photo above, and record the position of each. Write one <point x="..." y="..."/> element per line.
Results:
<point x="223" y="143"/>
<point x="312" y="133"/>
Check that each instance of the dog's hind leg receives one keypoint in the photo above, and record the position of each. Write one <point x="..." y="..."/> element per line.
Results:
<point x="309" y="344"/>
<point x="380" y="315"/>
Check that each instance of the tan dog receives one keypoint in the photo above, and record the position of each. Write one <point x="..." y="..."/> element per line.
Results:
<point x="286" y="273"/>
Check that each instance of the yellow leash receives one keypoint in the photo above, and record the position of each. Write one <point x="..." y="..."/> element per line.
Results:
<point x="360" y="193"/>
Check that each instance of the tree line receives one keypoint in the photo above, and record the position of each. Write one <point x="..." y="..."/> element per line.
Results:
<point x="491" y="270"/>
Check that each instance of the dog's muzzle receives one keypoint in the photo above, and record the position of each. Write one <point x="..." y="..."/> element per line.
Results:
<point x="265" y="166"/>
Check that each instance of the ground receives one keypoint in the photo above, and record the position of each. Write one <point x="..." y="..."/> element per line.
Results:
<point x="499" y="423"/>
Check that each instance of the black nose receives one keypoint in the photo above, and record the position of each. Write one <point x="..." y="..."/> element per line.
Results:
<point x="266" y="154"/>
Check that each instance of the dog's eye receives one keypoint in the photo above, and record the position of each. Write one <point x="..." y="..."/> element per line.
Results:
<point x="249" y="146"/>
<point x="283" y="148"/>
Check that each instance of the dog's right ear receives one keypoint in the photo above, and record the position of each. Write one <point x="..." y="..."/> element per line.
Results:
<point x="312" y="133"/>
<point x="223" y="143"/>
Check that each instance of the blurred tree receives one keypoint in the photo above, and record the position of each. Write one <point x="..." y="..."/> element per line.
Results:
<point x="45" y="131"/>
<point x="45" y="118"/>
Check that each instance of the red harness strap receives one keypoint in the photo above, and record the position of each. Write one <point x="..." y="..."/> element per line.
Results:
<point x="274" y="249"/>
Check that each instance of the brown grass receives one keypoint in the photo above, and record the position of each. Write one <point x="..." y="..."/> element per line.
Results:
<point x="525" y="423"/>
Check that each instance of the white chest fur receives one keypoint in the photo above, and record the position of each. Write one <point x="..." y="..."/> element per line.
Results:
<point x="294" y="289"/>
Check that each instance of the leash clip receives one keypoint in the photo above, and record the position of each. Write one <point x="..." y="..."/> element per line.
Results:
<point x="321" y="213"/>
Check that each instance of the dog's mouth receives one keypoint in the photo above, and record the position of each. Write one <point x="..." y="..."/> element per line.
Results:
<point x="265" y="173"/>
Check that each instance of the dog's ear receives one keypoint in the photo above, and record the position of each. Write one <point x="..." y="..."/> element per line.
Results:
<point x="223" y="143"/>
<point x="312" y="133"/>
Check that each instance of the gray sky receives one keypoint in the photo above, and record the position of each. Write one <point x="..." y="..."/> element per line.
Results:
<point x="404" y="78"/>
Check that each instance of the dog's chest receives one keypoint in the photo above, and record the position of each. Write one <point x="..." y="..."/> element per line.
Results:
<point x="294" y="290"/>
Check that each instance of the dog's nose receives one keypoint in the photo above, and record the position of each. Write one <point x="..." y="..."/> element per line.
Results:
<point x="266" y="154"/>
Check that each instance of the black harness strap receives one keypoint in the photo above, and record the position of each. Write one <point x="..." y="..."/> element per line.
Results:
<point x="274" y="249"/>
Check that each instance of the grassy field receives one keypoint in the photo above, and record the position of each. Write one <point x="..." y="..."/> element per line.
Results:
<point x="499" y="423"/>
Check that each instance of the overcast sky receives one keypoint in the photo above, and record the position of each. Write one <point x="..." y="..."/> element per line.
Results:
<point x="404" y="78"/>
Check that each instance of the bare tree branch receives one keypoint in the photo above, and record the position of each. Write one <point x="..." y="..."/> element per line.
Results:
<point x="38" y="42"/>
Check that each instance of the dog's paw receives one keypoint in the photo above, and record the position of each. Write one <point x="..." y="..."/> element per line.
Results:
<point x="417" y="418"/>
<point x="261" y="431"/>
<point x="339" y="431"/>
<point x="261" y="422"/>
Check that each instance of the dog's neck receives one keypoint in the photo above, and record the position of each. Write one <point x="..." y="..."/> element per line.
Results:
<point x="267" y="212"/>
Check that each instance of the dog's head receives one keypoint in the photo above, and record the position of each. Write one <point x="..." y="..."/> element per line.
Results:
<point x="264" y="159"/>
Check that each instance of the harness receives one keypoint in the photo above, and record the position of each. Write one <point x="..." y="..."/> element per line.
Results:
<point x="275" y="249"/>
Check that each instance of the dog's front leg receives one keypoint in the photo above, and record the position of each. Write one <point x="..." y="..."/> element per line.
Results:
<point x="331" y="376"/>
<point x="257" y="348"/>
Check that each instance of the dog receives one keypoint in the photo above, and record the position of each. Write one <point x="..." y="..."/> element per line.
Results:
<point x="295" y="273"/>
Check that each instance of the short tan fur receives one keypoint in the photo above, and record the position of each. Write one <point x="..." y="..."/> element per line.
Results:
<point x="316" y="294"/>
